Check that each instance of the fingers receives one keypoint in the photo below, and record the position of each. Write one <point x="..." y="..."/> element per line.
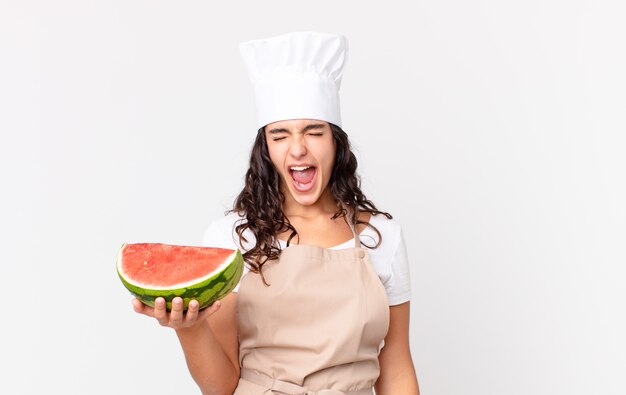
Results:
<point x="176" y="318"/>
<point x="141" y="308"/>
<point x="160" y="313"/>
<point x="192" y="312"/>
<point x="138" y="306"/>
<point x="176" y="315"/>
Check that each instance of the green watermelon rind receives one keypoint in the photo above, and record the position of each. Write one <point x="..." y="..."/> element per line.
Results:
<point x="206" y="292"/>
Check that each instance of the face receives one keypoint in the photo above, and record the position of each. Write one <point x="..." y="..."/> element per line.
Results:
<point x="303" y="153"/>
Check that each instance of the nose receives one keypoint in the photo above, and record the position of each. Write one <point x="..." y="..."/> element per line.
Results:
<point x="297" y="148"/>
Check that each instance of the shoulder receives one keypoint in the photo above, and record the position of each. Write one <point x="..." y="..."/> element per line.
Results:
<point x="390" y="258"/>
<point x="390" y="231"/>
<point x="222" y="233"/>
<point x="388" y="224"/>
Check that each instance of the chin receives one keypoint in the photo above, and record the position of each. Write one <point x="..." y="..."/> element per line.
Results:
<point x="305" y="199"/>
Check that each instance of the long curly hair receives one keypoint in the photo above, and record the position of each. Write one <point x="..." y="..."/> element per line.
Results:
<point x="261" y="200"/>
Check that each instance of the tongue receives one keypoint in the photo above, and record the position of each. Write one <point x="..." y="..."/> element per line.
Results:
<point x="304" y="176"/>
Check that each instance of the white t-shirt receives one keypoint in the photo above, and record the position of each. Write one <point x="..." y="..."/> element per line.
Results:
<point x="389" y="258"/>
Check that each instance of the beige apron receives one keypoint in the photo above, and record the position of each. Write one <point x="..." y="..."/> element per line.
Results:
<point x="317" y="329"/>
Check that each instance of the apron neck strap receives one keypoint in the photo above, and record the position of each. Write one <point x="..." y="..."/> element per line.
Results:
<point x="357" y="241"/>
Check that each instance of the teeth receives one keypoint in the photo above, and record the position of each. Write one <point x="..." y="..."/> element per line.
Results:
<point x="299" y="168"/>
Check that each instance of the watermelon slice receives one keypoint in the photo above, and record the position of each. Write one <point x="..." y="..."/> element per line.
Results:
<point x="150" y="270"/>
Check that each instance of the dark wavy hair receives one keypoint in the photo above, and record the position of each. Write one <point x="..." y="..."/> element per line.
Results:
<point x="261" y="201"/>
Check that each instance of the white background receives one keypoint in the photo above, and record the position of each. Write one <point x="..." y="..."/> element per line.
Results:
<point x="492" y="130"/>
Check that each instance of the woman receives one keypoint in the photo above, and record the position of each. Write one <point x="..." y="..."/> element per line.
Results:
<point x="316" y="312"/>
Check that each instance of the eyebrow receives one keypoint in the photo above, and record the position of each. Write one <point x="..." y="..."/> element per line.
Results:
<point x="306" y="128"/>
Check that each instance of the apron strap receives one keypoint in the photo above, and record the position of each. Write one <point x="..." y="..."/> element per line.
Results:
<point x="357" y="240"/>
<point x="287" y="388"/>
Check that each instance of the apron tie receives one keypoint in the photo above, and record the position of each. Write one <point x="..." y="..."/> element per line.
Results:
<point x="287" y="388"/>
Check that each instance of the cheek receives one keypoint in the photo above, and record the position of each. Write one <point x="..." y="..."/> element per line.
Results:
<point x="276" y="156"/>
<point x="327" y="161"/>
<point x="331" y="164"/>
<point x="331" y="155"/>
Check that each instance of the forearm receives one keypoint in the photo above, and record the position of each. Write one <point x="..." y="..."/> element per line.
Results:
<point x="397" y="374"/>
<point x="208" y="364"/>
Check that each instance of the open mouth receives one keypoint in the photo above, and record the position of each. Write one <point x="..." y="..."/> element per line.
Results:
<point x="303" y="177"/>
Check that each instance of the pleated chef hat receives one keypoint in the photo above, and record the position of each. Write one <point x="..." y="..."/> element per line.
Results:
<point x="296" y="76"/>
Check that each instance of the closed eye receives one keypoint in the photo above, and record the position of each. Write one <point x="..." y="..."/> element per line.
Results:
<point x="277" y="138"/>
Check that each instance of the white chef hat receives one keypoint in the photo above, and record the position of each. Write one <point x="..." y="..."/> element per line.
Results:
<point x="296" y="76"/>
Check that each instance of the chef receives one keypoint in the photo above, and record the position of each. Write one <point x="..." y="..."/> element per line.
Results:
<point x="323" y="305"/>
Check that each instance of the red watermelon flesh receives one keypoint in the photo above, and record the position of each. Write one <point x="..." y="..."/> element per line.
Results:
<point x="150" y="270"/>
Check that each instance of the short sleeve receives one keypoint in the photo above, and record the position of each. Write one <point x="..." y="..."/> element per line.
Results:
<point x="399" y="285"/>
<point x="390" y="258"/>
